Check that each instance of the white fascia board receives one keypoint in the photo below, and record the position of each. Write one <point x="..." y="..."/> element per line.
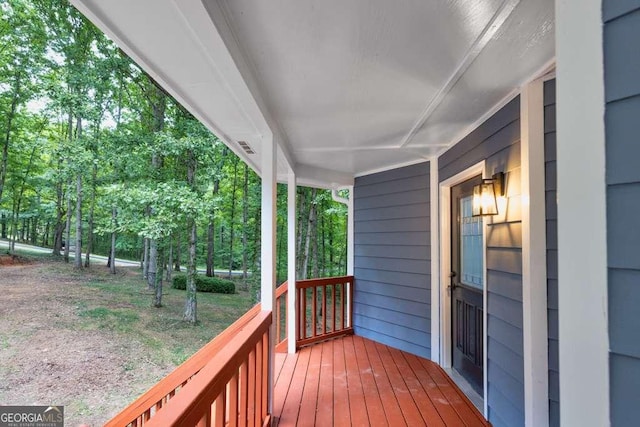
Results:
<point x="582" y="221"/>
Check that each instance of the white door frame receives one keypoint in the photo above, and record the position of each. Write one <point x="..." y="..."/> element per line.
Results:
<point x="445" y="268"/>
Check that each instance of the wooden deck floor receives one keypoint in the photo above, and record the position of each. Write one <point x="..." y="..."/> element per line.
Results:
<point x="356" y="381"/>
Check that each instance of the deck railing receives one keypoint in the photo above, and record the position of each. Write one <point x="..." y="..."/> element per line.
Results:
<point x="324" y="308"/>
<point x="226" y="382"/>
<point x="139" y="412"/>
<point x="231" y="389"/>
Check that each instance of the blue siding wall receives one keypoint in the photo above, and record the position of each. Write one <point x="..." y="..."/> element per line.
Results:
<point x="392" y="300"/>
<point x="622" y="127"/>
<point x="552" y="248"/>
<point x="498" y="141"/>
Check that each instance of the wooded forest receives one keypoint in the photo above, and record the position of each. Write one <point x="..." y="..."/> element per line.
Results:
<point x="98" y="159"/>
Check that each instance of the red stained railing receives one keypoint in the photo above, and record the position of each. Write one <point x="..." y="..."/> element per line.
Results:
<point x="324" y="309"/>
<point x="142" y="409"/>
<point x="231" y="389"/>
<point x="226" y="382"/>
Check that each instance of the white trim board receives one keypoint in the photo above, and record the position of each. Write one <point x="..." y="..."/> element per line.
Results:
<point x="534" y="256"/>
<point x="582" y="256"/>
<point x="434" y="201"/>
<point x="445" y="269"/>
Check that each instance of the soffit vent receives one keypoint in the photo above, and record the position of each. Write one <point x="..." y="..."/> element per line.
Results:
<point x="246" y="147"/>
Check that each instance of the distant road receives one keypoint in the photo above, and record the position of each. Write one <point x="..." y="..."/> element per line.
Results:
<point x="4" y="245"/>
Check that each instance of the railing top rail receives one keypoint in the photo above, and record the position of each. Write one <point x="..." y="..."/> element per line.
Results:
<point x="188" y="406"/>
<point x="183" y="372"/>
<point x="282" y="289"/>
<point x="309" y="283"/>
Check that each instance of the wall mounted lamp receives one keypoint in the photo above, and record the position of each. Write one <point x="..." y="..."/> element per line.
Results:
<point x="484" y="195"/>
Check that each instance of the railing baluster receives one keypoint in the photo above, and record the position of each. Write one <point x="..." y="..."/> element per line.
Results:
<point x="314" y="311"/>
<point x="286" y="313"/>
<point x="351" y="290"/>
<point x="233" y="402"/>
<point x="277" y="320"/>
<point x="244" y="389"/>
<point x="342" y="304"/>
<point x="219" y="410"/>
<point x="252" y="388"/>
<point x="303" y="314"/>
<point x="324" y="310"/>
<point x="333" y="303"/>
<point x="258" y="395"/>
<point x="265" y="375"/>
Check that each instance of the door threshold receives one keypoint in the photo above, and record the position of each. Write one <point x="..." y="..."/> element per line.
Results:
<point x="466" y="388"/>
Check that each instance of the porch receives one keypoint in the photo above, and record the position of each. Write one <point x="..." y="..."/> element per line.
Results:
<point x="244" y="377"/>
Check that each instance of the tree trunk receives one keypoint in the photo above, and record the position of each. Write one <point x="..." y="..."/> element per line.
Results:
<point x="153" y="263"/>
<point x="158" y="103"/>
<point x="301" y="231"/>
<point x="245" y="219"/>
<point x="310" y="225"/>
<point x="190" y="308"/>
<point x="112" y="253"/>
<point x="323" y="249"/>
<point x="281" y="258"/>
<point x="34" y="231"/>
<point x="3" y="225"/>
<point x="170" y="261"/>
<point x="158" y="283"/>
<point x="14" y="229"/>
<point x="92" y="207"/>
<point x="145" y="260"/>
<point x="59" y="228"/>
<point x="67" y="231"/>
<point x="314" y="238"/>
<point x="78" y="259"/>
<point x="178" y="254"/>
<point x="210" y="248"/>
<point x="45" y="236"/>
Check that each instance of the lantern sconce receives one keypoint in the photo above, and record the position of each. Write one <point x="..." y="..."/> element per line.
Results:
<point x="485" y="195"/>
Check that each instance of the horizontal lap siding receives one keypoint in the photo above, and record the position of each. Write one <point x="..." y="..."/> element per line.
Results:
<point x="622" y="127"/>
<point x="392" y="258"/>
<point x="498" y="142"/>
<point x="552" y="248"/>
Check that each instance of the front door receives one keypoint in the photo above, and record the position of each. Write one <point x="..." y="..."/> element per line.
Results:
<point x="467" y="284"/>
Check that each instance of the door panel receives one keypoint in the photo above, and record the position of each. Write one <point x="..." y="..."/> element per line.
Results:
<point x="467" y="285"/>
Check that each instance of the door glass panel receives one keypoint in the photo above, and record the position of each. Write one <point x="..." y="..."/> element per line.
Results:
<point x="471" y="249"/>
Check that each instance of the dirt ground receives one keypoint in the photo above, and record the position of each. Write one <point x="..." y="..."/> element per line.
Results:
<point x="51" y="355"/>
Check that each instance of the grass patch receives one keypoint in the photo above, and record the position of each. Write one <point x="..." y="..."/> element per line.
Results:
<point x="122" y="303"/>
<point x="120" y="320"/>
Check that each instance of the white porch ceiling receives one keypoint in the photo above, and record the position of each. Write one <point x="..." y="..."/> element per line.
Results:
<point x="345" y="88"/>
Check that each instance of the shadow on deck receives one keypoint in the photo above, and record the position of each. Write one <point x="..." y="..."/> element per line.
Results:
<point x="356" y="381"/>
